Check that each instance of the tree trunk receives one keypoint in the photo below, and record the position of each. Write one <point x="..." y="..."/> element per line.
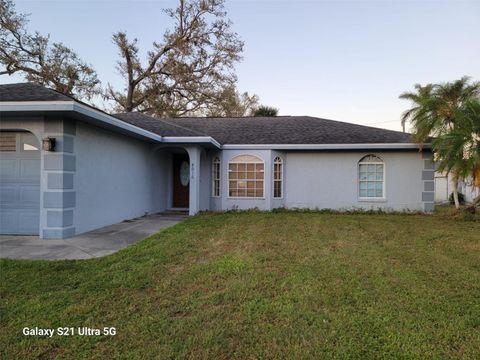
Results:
<point x="128" y="106"/>
<point x="455" y="191"/>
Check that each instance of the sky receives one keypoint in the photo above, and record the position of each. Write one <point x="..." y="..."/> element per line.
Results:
<point x="341" y="60"/>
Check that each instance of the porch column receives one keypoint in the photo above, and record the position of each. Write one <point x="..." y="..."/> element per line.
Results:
<point x="194" y="155"/>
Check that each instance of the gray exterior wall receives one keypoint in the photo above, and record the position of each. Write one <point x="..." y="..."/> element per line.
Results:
<point x="117" y="178"/>
<point x="216" y="202"/>
<point x="205" y="180"/>
<point x="229" y="203"/>
<point x="330" y="180"/>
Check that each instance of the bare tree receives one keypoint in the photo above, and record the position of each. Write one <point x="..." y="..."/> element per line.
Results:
<point x="231" y="103"/>
<point x="40" y="61"/>
<point x="187" y="70"/>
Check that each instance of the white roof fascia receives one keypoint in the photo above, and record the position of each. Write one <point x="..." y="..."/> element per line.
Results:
<point x="79" y="108"/>
<point x="12" y="106"/>
<point x="191" y="140"/>
<point x="324" y="146"/>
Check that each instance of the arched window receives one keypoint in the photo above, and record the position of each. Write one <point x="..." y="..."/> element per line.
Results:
<point x="371" y="176"/>
<point x="216" y="177"/>
<point x="278" y="177"/>
<point x="246" y="174"/>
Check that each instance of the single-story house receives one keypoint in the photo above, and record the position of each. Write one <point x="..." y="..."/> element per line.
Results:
<point x="67" y="167"/>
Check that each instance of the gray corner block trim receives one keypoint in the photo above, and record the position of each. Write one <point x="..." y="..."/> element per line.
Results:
<point x="428" y="164"/>
<point x="59" y="200"/>
<point x="429" y="206"/>
<point x="58" y="233"/>
<point x="63" y="162"/>
<point x="60" y="181"/>
<point x="429" y="186"/>
<point x="60" y="218"/>
<point x="428" y="175"/>
<point x="60" y="126"/>
<point x="427" y="155"/>
<point x="64" y="144"/>
<point x="428" y="196"/>
<point x="69" y="126"/>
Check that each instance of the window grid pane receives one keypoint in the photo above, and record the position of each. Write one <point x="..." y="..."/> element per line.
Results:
<point x="216" y="177"/>
<point x="246" y="180"/>
<point x="277" y="178"/>
<point x="371" y="177"/>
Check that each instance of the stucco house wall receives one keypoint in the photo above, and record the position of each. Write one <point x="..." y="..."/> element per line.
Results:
<point x="330" y="180"/>
<point x="205" y="180"/>
<point x="233" y="203"/>
<point x="117" y="178"/>
<point x="215" y="202"/>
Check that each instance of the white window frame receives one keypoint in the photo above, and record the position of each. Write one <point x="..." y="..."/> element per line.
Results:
<point x="216" y="161"/>
<point x="277" y="161"/>
<point x="259" y="161"/>
<point x="384" y="181"/>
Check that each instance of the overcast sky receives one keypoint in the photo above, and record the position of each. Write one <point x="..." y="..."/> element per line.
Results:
<point x="343" y="60"/>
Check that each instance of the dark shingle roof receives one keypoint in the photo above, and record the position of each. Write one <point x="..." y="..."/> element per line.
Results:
<point x="30" y="92"/>
<point x="242" y="130"/>
<point x="157" y="126"/>
<point x="270" y="130"/>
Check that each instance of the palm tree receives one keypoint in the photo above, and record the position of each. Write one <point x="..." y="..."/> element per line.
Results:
<point x="266" y="111"/>
<point x="447" y="112"/>
<point x="459" y="150"/>
<point x="420" y="115"/>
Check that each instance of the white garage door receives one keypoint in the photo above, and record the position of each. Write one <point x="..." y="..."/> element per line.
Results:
<point x="19" y="183"/>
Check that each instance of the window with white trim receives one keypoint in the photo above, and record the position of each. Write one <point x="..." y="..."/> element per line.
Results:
<point x="371" y="175"/>
<point x="246" y="174"/>
<point x="278" y="177"/>
<point x="216" y="177"/>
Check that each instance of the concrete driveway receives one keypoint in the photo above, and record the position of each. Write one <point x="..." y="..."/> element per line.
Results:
<point x="92" y="244"/>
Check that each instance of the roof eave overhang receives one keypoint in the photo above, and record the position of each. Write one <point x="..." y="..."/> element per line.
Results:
<point x="99" y="118"/>
<point x="78" y="111"/>
<point x="204" y="140"/>
<point x="363" y="146"/>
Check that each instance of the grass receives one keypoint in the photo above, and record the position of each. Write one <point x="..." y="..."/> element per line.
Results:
<point x="260" y="285"/>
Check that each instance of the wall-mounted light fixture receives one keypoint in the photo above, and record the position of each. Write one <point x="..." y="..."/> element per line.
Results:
<point x="48" y="144"/>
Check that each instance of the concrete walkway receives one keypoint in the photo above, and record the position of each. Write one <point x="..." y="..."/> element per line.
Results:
<point x="92" y="244"/>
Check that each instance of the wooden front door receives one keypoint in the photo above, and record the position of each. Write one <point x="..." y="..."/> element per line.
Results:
<point x="181" y="181"/>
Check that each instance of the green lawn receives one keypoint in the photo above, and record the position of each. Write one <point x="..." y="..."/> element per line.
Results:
<point x="260" y="285"/>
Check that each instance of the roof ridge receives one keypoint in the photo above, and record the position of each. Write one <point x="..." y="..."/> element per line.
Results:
<point x="282" y="116"/>
<point x="232" y="117"/>
<point x="360" y="125"/>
